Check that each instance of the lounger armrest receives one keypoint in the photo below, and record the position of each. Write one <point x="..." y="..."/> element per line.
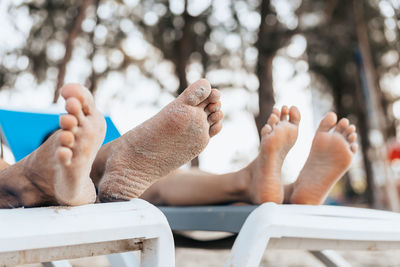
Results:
<point x="46" y="234"/>
<point x="313" y="228"/>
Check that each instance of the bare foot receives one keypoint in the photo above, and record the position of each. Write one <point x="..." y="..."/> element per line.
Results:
<point x="330" y="157"/>
<point x="278" y="137"/>
<point x="178" y="133"/>
<point x="58" y="171"/>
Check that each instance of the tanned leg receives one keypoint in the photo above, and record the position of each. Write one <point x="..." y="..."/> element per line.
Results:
<point x="196" y="187"/>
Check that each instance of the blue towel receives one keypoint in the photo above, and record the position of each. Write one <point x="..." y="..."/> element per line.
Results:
<point x="26" y="131"/>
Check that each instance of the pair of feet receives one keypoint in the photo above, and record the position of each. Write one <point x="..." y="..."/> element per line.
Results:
<point x="331" y="154"/>
<point x="66" y="168"/>
<point x="59" y="171"/>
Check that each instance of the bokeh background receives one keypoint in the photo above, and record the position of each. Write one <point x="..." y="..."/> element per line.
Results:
<point x="136" y="56"/>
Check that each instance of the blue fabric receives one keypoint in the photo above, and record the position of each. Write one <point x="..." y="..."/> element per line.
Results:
<point x="26" y="131"/>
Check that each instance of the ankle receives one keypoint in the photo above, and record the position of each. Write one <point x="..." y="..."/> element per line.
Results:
<point x="241" y="183"/>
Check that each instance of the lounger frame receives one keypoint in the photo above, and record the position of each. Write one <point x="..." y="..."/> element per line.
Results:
<point x="314" y="228"/>
<point x="48" y="234"/>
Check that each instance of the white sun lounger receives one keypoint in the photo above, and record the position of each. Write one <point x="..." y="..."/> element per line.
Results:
<point x="36" y="235"/>
<point x="313" y="228"/>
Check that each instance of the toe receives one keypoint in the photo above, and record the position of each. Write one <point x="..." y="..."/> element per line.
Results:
<point x="81" y="93"/>
<point x="213" y="107"/>
<point x="211" y="99"/>
<point x="66" y="138"/>
<point x="351" y="129"/>
<point x="72" y="90"/>
<point x="266" y="129"/>
<point x="216" y="128"/>
<point x="273" y="120"/>
<point x="328" y="122"/>
<point x="215" y="117"/>
<point x="342" y="125"/>
<point x="215" y="96"/>
<point x="354" y="147"/>
<point x="196" y="93"/>
<point x="294" y="115"/>
<point x="64" y="155"/>
<point x="68" y="122"/>
<point x="352" y="138"/>
<point x="74" y="107"/>
<point x="284" y="113"/>
<point x="276" y="112"/>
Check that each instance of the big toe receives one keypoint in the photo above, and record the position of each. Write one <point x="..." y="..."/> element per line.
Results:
<point x="82" y="94"/>
<point x="196" y="93"/>
<point x="328" y="122"/>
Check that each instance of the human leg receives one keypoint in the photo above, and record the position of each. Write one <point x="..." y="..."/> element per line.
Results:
<point x="196" y="187"/>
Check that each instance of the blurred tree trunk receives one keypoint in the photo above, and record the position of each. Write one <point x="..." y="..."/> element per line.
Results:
<point x="375" y="114"/>
<point x="69" y="46"/>
<point x="183" y="50"/>
<point x="363" y="130"/>
<point x="92" y="86"/>
<point x="266" y="98"/>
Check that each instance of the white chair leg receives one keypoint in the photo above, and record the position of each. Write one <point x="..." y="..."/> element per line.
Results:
<point x="127" y="259"/>
<point x="63" y="263"/>
<point x="330" y="258"/>
<point x="158" y="252"/>
<point x="252" y="240"/>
